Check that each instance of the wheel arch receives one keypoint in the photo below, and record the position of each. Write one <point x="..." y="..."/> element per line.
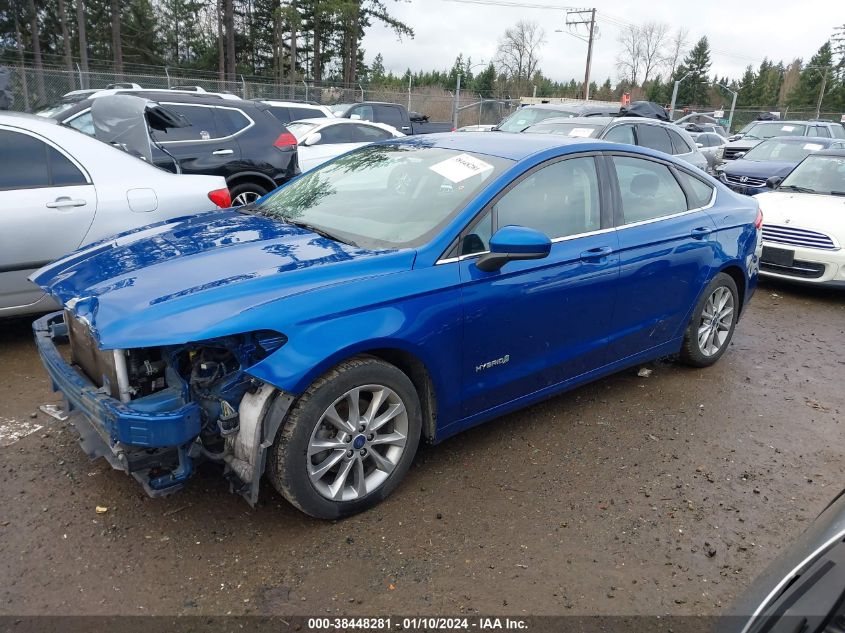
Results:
<point x="735" y="272"/>
<point x="255" y="177"/>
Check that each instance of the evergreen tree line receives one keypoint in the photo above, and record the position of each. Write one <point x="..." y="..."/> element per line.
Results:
<point x="287" y="41"/>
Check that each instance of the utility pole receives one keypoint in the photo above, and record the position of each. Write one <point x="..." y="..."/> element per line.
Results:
<point x="591" y="24"/>
<point x="821" y="94"/>
<point x="456" y="104"/>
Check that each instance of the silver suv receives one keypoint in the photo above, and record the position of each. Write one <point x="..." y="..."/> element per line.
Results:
<point x="758" y="131"/>
<point x="652" y="133"/>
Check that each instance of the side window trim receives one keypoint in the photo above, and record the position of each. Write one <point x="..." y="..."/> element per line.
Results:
<point x="61" y="151"/>
<point x="210" y="140"/>
<point x="605" y="212"/>
<point x="619" y="219"/>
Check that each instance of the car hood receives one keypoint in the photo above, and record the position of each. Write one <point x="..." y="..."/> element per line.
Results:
<point x="742" y="144"/>
<point x="201" y="277"/>
<point x="816" y="212"/>
<point x="759" y="169"/>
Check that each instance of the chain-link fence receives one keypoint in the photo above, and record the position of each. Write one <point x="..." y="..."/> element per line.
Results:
<point x="34" y="89"/>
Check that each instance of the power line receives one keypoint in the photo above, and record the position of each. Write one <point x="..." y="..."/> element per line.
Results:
<point x="512" y="3"/>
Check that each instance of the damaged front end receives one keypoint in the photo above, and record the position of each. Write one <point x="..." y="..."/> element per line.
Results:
<point x="155" y="412"/>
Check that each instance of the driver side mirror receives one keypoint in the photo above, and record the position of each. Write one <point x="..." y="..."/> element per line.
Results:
<point x="773" y="182"/>
<point x="735" y="137"/>
<point x="313" y="139"/>
<point x="512" y="243"/>
<point x="699" y="145"/>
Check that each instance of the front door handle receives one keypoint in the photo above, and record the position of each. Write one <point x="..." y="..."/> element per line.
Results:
<point x="64" y="202"/>
<point x="595" y="254"/>
<point x="700" y="233"/>
<point x="406" y="128"/>
<point x="223" y="152"/>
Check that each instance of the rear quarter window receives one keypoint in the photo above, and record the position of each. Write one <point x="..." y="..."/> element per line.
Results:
<point x="679" y="144"/>
<point x="699" y="193"/>
<point x="230" y="121"/>
<point x="305" y="113"/>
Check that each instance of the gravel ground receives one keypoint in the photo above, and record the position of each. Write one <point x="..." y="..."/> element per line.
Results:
<point x="634" y="495"/>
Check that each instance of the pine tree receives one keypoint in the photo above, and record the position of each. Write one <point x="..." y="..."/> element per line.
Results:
<point x="694" y="89"/>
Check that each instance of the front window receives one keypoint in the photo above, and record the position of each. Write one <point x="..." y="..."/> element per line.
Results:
<point x="526" y="117"/>
<point x="577" y="130"/>
<point x="782" y="151"/>
<point x="818" y="174"/>
<point x="384" y="196"/>
<point x="762" y="131"/>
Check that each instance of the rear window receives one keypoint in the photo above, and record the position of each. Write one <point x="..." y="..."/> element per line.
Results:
<point x="679" y="144"/>
<point x="306" y="113"/>
<point x="230" y="121"/>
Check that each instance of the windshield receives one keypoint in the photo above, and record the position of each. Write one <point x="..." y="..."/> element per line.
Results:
<point x="818" y="174"/>
<point x="528" y="116"/>
<point x="581" y="130"/>
<point x="384" y="196"/>
<point x="56" y="109"/>
<point x="300" y="130"/>
<point x="339" y="108"/>
<point x="782" y="151"/>
<point x="761" y="131"/>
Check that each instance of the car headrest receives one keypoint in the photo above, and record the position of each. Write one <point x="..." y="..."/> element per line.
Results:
<point x="645" y="185"/>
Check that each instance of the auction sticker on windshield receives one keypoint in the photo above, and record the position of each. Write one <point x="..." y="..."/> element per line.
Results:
<point x="461" y="167"/>
<point x="582" y="132"/>
<point x="813" y="147"/>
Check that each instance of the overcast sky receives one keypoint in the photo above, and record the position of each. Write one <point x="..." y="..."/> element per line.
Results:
<point x="740" y="32"/>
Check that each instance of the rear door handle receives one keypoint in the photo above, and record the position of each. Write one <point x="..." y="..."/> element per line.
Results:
<point x="700" y="233"/>
<point x="595" y="254"/>
<point x="223" y="152"/>
<point x="64" y="202"/>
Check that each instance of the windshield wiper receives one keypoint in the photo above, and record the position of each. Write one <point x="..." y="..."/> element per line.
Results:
<point x="797" y="189"/>
<point x="321" y="232"/>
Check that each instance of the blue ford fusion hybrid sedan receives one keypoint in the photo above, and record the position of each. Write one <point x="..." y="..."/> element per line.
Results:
<point x="401" y="293"/>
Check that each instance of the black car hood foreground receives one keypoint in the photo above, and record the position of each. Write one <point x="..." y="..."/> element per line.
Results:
<point x="803" y="590"/>
<point x="202" y="276"/>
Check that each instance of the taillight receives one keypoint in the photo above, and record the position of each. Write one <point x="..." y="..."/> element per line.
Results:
<point x="286" y="139"/>
<point x="758" y="223"/>
<point x="221" y="198"/>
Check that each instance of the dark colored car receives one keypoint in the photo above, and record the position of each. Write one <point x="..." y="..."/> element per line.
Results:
<point x="404" y="291"/>
<point x="393" y="114"/>
<point x="803" y="590"/>
<point x="773" y="158"/>
<point x="530" y="115"/>
<point x="239" y="140"/>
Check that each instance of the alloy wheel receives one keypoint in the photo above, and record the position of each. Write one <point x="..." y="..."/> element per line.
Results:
<point x="247" y="197"/>
<point x="357" y="443"/>
<point x="716" y="320"/>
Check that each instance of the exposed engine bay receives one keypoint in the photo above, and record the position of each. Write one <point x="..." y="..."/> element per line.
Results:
<point x="210" y="374"/>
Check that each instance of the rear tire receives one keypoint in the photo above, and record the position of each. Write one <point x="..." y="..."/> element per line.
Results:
<point x="712" y="325"/>
<point x="348" y="441"/>
<point x="246" y="193"/>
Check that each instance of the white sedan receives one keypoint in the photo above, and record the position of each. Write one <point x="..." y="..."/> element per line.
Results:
<point x="60" y="189"/>
<point x="804" y="222"/>
<point x="321" y="140"/>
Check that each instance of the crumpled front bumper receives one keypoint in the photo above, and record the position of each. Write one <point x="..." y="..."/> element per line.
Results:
<point x="132" y="440"/>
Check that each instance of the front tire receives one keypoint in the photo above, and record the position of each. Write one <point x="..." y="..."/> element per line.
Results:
<point x="712" y="325"/>
<point x="348" y="441"/>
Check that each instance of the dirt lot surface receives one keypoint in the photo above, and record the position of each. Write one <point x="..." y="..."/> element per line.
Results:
<point x="634" y="495"/>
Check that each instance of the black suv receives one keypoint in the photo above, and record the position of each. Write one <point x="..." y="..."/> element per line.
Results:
<point x="239" y="140"/>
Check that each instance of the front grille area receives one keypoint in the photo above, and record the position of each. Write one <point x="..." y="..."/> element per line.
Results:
<point x="794" y="236"/>
<point x="98" y="366"/>
<point x="804" y="270"/>
<point x="749" y="181"/>
<point x="731" y="152"/>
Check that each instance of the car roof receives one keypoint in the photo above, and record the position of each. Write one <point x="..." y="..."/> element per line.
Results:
<point x="19" y="118"/>
<point x="822" y="140"/>
<point x="838" y="153"/>
<point x="501" y="144"/>
<point x="578" y="120"/>
<point x="297" y="104"/>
